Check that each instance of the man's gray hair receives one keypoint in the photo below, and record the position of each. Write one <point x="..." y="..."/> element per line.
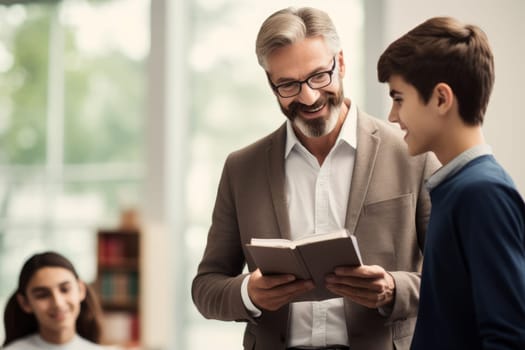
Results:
<point x="290" y="25"/>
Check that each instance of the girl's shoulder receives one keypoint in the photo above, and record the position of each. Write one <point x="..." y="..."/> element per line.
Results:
<point x="29" y="342"/>
<point x="35" y="342"/>
<point x="84" y="344"/>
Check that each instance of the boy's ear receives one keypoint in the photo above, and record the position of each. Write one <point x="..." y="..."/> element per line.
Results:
<point x="24" y="305"/>
<point x="444" y="97"/>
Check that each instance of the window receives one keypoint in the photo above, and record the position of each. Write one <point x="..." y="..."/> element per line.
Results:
<point x="72" y="99"/>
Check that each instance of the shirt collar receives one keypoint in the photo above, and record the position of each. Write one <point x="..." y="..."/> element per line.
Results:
<point x="348" y="133"/>
<point x="41" y="343"/>
<point x="456" y="164"/>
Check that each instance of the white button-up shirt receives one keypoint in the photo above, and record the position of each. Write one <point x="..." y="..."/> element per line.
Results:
<point x="317" y="198"/>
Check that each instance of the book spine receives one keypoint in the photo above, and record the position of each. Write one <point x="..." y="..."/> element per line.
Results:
<point x="301" y="264"/>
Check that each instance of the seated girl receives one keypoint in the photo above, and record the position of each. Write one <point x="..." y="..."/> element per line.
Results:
<point x="52" y="308"/>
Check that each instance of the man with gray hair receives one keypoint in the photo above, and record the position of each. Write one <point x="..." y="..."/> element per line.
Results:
<point x="328" y="167"/>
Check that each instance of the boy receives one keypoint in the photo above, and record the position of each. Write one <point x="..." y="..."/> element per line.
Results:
<point x="472" y="295"/>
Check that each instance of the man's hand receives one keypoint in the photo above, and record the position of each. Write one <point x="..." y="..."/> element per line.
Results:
<point x="273" y="292"/>
<point x="370" y="286"/>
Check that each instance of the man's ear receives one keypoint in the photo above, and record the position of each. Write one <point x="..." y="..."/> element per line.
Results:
<point x="24" y="304"/>
<point x="444" y="97"/>
<point x="341" y="63"/>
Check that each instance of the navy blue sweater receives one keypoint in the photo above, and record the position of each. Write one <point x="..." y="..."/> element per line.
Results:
<point x="473" y="282"/>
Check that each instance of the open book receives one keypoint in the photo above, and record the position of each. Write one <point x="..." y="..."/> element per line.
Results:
<point x="312" y="257"/>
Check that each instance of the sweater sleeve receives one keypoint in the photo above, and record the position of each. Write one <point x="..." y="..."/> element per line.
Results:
<point x="490" y="218"/>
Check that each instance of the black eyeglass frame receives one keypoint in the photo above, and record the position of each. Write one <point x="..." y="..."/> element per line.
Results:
<point x="300" y="83"/>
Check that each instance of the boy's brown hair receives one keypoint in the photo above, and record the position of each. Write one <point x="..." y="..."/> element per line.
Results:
<point x="443" y="50"/>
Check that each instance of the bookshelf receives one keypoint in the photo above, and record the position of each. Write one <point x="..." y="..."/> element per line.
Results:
<point x="117" y="285"/>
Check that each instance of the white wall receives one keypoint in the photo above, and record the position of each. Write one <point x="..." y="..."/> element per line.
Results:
<point x="504" y="23"/>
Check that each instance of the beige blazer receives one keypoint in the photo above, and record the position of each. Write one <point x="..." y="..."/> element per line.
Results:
<point x="388" y="211"/>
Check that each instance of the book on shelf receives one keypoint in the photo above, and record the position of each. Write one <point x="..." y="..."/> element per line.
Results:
<point x="309" y="258"/>
<point x="118" y="280"/>
<point x="121" y="328"/>
<point x="117" y="248"/>
<point x="120" y="288"/>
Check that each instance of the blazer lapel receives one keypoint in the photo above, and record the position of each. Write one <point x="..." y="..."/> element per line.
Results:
<point x="276" y="179"/>
<point x="366" y="154"/>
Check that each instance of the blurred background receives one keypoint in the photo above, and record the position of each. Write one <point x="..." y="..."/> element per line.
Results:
<point x="116" y="117"/>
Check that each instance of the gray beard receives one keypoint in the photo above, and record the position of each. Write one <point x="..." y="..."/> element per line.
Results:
<point x="318" y="127"/>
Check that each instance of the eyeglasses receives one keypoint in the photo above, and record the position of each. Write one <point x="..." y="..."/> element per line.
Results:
<point x="314" y="81"/>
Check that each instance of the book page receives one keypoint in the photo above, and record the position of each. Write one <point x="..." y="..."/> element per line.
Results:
<point x="317" y="237"/>
<point x="311" y="238"/>
<point x="272" y="242"/>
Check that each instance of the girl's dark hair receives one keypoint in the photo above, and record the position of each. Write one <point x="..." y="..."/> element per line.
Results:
<point x="18" y="323"/>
